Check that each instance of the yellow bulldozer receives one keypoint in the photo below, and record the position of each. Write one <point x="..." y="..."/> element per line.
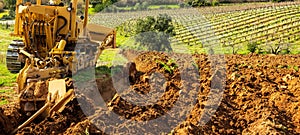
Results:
<point x="57" y="41"/>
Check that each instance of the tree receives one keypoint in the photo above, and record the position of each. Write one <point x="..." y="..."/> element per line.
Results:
<point x="11" y="5"/>
<point x="145" y="5"/>
<point x="138" y="6"/>
<point x="153" y="33"/>
<point x="99" y="6"/>
<point x="281" y="0"/>
<point x="198" y="3"/>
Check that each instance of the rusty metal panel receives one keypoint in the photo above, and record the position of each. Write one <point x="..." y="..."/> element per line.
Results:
<point x="42" y="10"/>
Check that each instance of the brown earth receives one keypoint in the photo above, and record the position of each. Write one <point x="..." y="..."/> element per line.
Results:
<point x="261" y="96"/>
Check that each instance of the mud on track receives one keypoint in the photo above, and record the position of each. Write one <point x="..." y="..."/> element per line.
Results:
<point x="262" y="96"/>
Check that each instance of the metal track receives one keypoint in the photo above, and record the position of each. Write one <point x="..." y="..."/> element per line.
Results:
<point x="12" y="62"/>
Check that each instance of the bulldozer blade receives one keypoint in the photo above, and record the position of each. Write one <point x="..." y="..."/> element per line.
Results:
<point x="38" y="113"/>
<point x="60" y="105"/>
<point x="57" y="89"/>
<point x="58" y="95"/>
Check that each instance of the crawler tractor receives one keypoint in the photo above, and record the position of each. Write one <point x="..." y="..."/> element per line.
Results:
<point x="57" y="41"/>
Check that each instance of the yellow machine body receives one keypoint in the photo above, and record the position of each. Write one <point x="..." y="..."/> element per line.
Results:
<point x="55" y="41"/>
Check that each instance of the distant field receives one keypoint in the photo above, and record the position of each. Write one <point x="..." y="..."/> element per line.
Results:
<point x="230" y="28"/>
<point x="268" y="27"/>
<point x="152" y="7"/>
<point x="163" y="6"/>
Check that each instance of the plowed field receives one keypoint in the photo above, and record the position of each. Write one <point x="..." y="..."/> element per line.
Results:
<point x="261" y="96"/>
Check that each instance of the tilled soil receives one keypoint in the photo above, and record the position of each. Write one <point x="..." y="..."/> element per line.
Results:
<point x="261" y="96"/>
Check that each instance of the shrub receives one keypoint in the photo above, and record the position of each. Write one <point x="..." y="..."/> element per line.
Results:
<point x="99" y="7"/>
<point x="296" y="68"/>
<point x="199" y="3"/>
<point x="181" y="5"/>
<point x="169" y="67"/>
<point x="252" y="47"/>
<point x="215" y="3"/>
<point x="145" y="5"/>
<point x="111" y="8"/>
<point x="138" y="6"/>
<point x="281" y="0"/>
<point x="285" y="51"/>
